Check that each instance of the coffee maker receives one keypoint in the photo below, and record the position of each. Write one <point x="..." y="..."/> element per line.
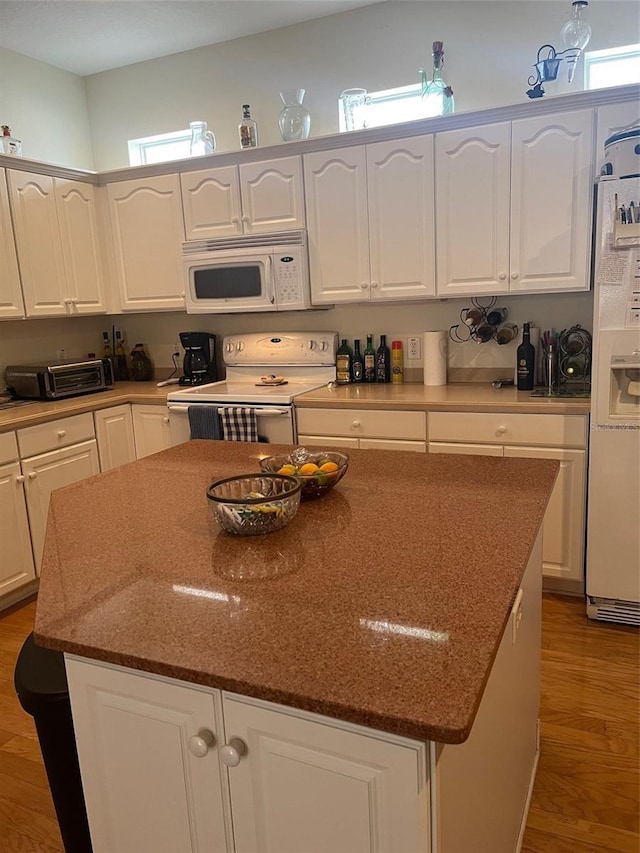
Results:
<point x="199" y="365"/>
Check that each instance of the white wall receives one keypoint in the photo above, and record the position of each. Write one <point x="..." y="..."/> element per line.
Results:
<point x="46" y="109"/>
<point x="490" y="50"/>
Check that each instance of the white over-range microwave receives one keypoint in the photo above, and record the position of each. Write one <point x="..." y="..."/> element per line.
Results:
<point x="267" y="272"/>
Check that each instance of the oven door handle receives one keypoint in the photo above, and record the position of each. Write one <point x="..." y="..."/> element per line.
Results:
<point x="261" y="413"/>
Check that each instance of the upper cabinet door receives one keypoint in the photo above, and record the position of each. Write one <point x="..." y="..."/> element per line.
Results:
<point x="336" y="194"/>
<point x="37" y="234"/>
<point x="148" y="232"/>
<point x="211" y="203"/>
<point x="80" y="240"/>
<point x="11" y="304"/>
<point x="551" y="199"/>
<point x="272" y="196"/>
<point x="472" y="210"/>
<point x="401" y="227"/>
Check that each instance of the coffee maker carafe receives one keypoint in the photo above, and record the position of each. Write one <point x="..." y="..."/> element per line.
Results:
<point x="199" y="365"/>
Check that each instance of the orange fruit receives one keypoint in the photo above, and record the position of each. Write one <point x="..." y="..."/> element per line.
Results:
<point x="329" y="467"/>
<point x="308" y="469"/>
<point x="288" y="470"/>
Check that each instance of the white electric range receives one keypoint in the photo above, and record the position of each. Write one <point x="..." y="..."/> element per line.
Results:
<point x="295" y="362"/>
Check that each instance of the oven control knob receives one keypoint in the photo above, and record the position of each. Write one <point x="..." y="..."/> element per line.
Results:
<point x="229" y="346"/>
<point x="324" y="345"/>
<point x="311" y="344"/>
<point x="239" y="346"/>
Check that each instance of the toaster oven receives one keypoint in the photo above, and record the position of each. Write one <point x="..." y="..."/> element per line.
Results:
<point x="53" y="381"/>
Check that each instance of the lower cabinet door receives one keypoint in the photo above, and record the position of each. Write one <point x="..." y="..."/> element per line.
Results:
<point x="151" y="429"/>
<point x="114" y="432"/>
<point x="563" y="531"/>
<point x="16" y="566"/>
<point x="149" y="783"/>
<point x="50" y="471"/>
<point x="308" y="786"/>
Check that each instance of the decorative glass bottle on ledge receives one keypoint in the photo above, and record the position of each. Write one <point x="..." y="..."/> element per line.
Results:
<point x="294" y="119"/>
<point x="437" y="95"/>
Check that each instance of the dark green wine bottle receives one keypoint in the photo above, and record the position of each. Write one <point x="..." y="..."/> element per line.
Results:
<point x="344" y="356"/>
<point x="369" y="361"/>
<point x="383" y="361"/>
<point x="357" y="363"/>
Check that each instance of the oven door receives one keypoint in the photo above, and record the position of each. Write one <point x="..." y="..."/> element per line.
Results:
<point x="227" y="281"/>
<point x="275" y="423"/>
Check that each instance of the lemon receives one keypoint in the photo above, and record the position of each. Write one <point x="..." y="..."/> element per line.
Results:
<point x="328" y="467"/>
<point x="288" y="470"/>
<point x="308" y="469"/>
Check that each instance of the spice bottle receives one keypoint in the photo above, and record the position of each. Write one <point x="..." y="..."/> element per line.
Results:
<point x="397" y="363"/>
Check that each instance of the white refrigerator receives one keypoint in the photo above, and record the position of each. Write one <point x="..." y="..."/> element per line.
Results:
<point x="613" y="510"/>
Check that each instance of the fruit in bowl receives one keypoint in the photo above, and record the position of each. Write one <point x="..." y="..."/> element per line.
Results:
<point x="253" y="504"/>
<point x="317" y="471"/>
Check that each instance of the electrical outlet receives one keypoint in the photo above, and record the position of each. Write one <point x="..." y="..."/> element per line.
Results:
<point x="413" y="349"/>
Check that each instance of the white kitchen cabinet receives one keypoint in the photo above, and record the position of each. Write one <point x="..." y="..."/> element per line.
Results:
<point x="58" y="245"/>
<point x="147" y="236"/>
<point x="49" y="469"/>
<point x="252" y="198"/>
<point x="16" y="567"/>
<point x="150" y="429"/>
<point x="517" y="435"/>
<point x="371" y="221"/>
<point x="312" y="786"/>
<point x="114" y="434"/>
<point x="303" y="782"/>
<point x="11" y="301"/>
<point x="522" y="238"/>
<point x="362" y="428"/>
<point x="146" y="785"/>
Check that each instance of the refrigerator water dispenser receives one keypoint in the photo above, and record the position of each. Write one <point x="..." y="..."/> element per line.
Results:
<point x="625" y="386"/>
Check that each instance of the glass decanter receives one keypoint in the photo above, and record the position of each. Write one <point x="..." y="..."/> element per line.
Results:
<point x="576" y="34"/>
<point x="294" y="119"/>
<point x="202" y="140"/>
<point x="437" y="95"/>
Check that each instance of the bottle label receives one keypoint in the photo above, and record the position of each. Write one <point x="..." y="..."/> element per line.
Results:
<point x="369" y="368"/>
<point x="343" y="368"/>
<point x="357" y="371"/>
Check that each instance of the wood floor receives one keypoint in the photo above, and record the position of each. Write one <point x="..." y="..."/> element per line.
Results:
<point x="587" y="792"/>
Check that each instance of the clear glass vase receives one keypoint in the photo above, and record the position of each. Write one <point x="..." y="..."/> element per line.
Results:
<point x="202" y="140"/>
<point x="294" y="119"/>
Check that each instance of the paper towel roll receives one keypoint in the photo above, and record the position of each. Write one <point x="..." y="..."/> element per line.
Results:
<point x="434" y="353"/>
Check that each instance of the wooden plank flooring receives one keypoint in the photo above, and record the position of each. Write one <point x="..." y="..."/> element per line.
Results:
<point x="587" y="793"/>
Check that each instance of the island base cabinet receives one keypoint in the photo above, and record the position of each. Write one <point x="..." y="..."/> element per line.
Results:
<point x="145" y="791"/>
<point x="313" y="787"/>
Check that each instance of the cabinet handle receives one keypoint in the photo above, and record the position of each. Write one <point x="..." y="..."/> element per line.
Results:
<point x="502" y="276"/>
<point x="61" y="433"/>
<point x="68" y="301"/>
<point x="33" y="475"/>
<point x="232" y="752"/>
<point x="501" y="430"/>
<point x="355" y="424"/>
<point x="199" y="744"/>
<point x="514" y="275"/>
<point x="20" y="478"/>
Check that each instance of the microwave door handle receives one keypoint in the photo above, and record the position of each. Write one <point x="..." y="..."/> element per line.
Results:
<point x="272" y="295"/>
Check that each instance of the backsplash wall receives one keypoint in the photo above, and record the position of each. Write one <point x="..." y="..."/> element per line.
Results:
<point x="25" y="340"/>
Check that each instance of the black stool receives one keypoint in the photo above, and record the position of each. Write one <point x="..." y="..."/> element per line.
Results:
<point x="41" y="684"/>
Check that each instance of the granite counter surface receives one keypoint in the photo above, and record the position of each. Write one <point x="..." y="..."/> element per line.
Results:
<point x="382" y="603"/>
<point x="455" y="397"/>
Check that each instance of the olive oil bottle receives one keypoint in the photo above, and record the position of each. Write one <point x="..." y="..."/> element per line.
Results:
<point x="344" y="356"/>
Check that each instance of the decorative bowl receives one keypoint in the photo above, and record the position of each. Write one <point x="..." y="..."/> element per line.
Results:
<point x="253" y="504"/>
<point x="317" y="471"/>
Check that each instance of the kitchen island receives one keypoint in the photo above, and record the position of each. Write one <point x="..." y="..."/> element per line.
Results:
<point x="391" y="620"/>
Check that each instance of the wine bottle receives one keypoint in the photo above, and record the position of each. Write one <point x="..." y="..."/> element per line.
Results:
<point x="369" y="361"/>
<point x="383" y="361"/>
<point x="525" y="357"/>
<point x="248" y="129"/>
<point x="357" y="363"/>
<point x="107" y="352"/>
<point x="121" y="359"/>
<point x="343" y="363"/>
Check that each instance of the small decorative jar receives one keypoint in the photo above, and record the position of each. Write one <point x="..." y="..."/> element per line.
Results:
<point x="294" y="119"/>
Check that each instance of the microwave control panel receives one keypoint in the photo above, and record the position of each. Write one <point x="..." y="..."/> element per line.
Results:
<point x="290" y="277"/>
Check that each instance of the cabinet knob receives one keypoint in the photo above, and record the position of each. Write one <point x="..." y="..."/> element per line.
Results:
<point x="61" y="433"/>
<point x="502" y="276"/>
<point x="74" y="301"/>
<point x="165" y="420"/>
<point x="364" y="285"/>
<point x="501" y="430"/>
<point x="68" y="301"/>
<point x="374" y="284"/>
<point x="182" y="295"/>
<point x="355" y="424"/>
<point x="199" y="744"/>
<point x="235" y="220"/>
<point x="514" y="275"/>
<point x="20" y="478"/>
<point x="245" y="219"/>
<point x="33" y="475"/>
<point x="232" y="752"/>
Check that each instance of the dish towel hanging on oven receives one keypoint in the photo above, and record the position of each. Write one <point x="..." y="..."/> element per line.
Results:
<point x="204" y="422"/>
<point x="239" y="423"/>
